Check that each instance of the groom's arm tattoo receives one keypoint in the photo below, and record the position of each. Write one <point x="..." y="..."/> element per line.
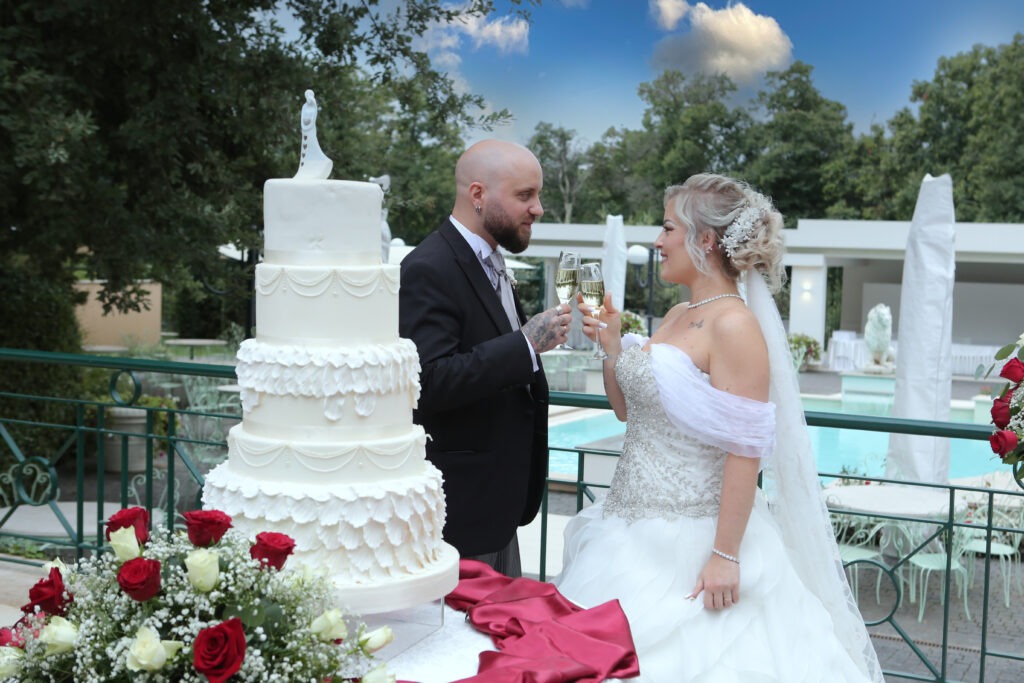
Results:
<point x="542" y="330"/>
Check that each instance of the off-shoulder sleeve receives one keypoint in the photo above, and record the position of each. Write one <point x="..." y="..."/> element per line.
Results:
<point x="631" y="339"/>
<point x="736" y="424"/>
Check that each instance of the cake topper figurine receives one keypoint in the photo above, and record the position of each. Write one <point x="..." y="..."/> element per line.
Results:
<point x="313" y="163"/>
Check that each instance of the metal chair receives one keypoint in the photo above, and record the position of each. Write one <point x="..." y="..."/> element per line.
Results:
<point x="1001" y="544"/>
<point x="857" y="538"/>
<point x="912" y="543"/>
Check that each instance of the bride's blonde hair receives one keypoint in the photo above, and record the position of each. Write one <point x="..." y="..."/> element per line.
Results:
<point x="748" y="228"/>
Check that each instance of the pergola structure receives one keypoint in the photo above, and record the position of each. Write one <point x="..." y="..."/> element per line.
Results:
<point x="988" y="293"/>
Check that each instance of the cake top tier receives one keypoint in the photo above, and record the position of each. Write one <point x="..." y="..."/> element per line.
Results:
<point x="313" y="222"/>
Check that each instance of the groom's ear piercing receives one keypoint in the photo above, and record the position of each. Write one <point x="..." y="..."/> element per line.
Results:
<point x="477" y="208"/>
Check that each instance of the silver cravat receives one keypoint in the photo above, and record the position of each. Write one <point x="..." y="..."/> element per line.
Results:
<point x="504" y="287"/>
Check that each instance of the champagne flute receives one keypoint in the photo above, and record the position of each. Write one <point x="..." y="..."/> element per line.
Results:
<point x="592" y="288"/>
<point x="567" y="280"/>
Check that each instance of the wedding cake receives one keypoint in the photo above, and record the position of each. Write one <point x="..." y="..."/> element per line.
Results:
<point x="327" y="451"/>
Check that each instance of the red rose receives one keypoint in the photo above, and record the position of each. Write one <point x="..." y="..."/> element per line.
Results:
<point x="139" y="578"/>
<point x="1013" y="370"/>
<point x="130" y="517"/>
<point x="10" y="638"/>
<point x="1003" y="442"/>
<point x="272" y="548"/>
<point x="218" y="651"/>
<point x="1001" y="412"/>
<point x="206" y="527"/>
<point x="49" y="595"/>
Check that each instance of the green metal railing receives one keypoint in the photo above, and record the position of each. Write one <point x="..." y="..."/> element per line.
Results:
<point x="171" y="484"/>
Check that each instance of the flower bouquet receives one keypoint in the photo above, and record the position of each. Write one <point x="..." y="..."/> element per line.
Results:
<point x="200" y="604"/>
<point x="1007" y="438"/>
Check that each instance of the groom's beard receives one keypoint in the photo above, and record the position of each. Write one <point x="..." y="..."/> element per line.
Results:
<point x="505" y="231"/>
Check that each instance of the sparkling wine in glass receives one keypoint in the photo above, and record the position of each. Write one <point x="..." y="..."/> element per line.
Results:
<point x="567" y="280"/>
<point x="592" y="288"/>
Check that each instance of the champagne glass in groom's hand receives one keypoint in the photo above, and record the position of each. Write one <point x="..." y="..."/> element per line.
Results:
<point x="592" y="289"/>
<point x="567" y="279"/>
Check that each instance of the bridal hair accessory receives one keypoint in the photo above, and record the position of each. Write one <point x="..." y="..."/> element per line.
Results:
<point x="690" y="307"/>
<point x="740" y="230"/>
<point x="718" y="552"/>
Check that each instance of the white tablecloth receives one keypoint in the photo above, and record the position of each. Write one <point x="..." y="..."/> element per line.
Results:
<point x="890" y="499"/>
<point x="448" y="654"/>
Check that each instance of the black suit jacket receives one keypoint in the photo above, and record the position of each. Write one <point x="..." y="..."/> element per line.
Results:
<point x="481" y="403"/>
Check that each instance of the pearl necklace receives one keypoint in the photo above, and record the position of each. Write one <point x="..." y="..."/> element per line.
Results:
<point x="712" y="298"/>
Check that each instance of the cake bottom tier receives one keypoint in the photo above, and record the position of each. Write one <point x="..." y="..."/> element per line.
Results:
<point x="379" y="542"/>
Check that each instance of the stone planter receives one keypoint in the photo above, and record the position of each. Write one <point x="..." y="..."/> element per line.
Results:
<point x="132" y="421"/>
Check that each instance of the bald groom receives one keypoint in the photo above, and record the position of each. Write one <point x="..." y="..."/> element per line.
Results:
<point x="484" y="397"/>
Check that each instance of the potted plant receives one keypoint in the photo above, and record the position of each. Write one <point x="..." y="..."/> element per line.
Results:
<point x="804" y="349"/>
<point x="132" y="419"/>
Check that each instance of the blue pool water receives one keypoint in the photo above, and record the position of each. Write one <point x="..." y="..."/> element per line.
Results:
<point x="857" y="451"/>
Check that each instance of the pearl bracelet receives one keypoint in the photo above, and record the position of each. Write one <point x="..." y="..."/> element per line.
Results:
<point x="718" y="552"/>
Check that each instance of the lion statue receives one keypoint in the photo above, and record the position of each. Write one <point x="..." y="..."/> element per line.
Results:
<point x="878" y="337"/>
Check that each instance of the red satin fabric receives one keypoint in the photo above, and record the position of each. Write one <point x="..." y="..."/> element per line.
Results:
<point x="541" y="636"/>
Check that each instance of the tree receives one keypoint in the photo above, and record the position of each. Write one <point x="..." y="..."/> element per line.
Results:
<point x="690" y="128"/>
<point x="138" y="135"/>
<point x="797" y="135"/>
<point x="565" y="168"/>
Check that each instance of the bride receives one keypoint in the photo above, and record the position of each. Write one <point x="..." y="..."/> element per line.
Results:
<point x="720" y="580"/>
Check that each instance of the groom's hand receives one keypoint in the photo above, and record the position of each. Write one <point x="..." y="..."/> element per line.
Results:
<point x="549" y="328"/>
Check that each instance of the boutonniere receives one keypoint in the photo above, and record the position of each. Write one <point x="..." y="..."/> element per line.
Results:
<point x="512" y="279"/>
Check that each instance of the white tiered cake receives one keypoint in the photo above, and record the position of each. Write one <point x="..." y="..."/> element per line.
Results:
<point x="327" y="451"/>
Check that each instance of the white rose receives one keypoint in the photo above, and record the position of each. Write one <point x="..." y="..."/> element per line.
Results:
<point x="10" y="661"/>
<point x="58" y="635"/>
<point x="378" y="675"/>
<point x="124" y="543"/>
<point x="55" y="563"/>
<point x="329" y="626"/>
<point x="148" y="652"/>
<point x="203" y="567"/>
<point x="375" y="640"/>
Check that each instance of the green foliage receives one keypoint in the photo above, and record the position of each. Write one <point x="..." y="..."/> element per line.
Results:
<point x="799" y="134"/>
<point x="805" y="345"/>
<point x="633" y="322"/>
<point x="565" y="169"/>
<point x="40" y="316"/>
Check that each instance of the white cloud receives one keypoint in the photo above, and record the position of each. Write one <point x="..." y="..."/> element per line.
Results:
<point x="733" y="41"/>
<point x="668" y="13"/>
<point x="507" y="34"/>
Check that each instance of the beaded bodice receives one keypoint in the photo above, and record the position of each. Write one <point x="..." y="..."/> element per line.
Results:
<point x="662" y="472"/>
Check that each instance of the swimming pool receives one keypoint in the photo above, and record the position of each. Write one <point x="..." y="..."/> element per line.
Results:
<point x="859" y="452"/>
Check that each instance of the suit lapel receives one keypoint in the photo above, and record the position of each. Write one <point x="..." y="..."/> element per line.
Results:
<point x="478" y="280"/>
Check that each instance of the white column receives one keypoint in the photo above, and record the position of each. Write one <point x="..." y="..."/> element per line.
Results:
<point x="808" y="287"/>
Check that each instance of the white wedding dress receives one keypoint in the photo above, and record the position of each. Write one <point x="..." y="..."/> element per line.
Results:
<point x="647" y="541"/>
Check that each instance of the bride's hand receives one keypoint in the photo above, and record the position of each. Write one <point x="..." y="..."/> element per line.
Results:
<point x="720" y="582"/>
<point x="609" y="319"/>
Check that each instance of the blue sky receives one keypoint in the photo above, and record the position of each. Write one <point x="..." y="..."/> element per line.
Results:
<point x="579" y="62"/>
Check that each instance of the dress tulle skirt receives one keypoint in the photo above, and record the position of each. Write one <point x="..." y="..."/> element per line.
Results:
<point x="778" y="631"/>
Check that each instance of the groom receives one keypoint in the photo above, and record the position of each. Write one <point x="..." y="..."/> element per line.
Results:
<point x="484" y="397"/>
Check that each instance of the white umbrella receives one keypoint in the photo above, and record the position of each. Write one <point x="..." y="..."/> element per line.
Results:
<point x="613" y="262"/>
<point x="924" y="375"/>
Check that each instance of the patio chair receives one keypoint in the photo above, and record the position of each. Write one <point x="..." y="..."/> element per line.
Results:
<point x="857" y="538"/>
<point x="923" y="561"/>
<point x="1002" y="545"/>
